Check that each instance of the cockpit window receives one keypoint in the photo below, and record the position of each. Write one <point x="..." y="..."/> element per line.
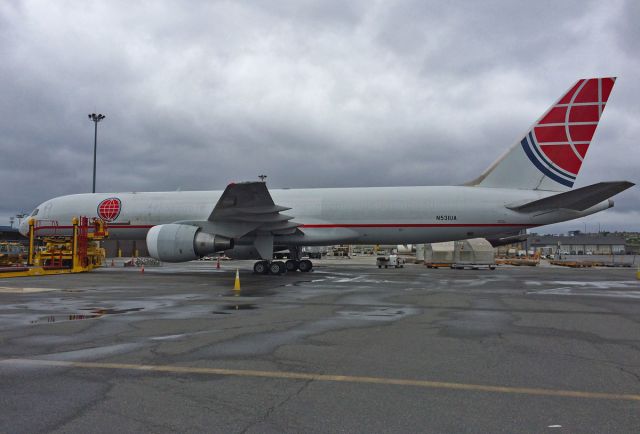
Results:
<point x="34" y="213"/>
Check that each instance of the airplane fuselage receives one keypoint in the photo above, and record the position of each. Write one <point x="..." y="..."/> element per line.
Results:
<point x="371" y="215"/>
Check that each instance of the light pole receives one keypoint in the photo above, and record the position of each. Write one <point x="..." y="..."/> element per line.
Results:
<point x="20" y="217"/>
<point x="95" y="118"/>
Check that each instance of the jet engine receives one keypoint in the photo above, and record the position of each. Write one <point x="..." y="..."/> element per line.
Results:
<point x="180" y="242"/>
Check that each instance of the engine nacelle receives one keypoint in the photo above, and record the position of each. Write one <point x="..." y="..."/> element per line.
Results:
<point x="179" y="243"/>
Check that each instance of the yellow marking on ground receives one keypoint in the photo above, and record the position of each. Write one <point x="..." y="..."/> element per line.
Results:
<point x="325" y="377"/>
<point x="20" y="290"/>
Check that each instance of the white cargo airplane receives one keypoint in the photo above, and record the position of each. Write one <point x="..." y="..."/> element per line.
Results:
<point x="530" y="185"/>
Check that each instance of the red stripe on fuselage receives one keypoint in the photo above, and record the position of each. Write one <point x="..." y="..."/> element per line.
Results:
<point x="412" y="225"/>
<point x="347" y="225"/>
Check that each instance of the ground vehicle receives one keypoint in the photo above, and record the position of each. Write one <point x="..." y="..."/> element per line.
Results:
<point x="390" y="261"/>
<point x="12" y="253"/>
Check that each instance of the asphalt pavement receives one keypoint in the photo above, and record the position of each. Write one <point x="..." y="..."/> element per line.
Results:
<point x="347" y="347"/>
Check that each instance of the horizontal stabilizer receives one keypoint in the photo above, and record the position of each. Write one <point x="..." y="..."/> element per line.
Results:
<point x="579" y="199"/>
<point x="508" y="239"/>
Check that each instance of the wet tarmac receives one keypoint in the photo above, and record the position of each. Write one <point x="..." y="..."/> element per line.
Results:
<point x="345" y="348"/>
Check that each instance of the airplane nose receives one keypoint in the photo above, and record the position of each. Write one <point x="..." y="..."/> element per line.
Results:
<point x="24" y="228"/>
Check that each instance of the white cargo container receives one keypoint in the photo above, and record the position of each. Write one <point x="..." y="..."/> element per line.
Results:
<point x="439" y="254"/>
<point x="420" y="253"/>
<point x="474" y="253"/>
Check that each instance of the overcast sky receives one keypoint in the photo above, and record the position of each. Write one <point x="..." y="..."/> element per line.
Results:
<point x="311" y="93"/>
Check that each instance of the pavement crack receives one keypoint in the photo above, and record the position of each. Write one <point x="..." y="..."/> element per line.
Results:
<point x="270" y="410"/>
<point x="633" y="374"/>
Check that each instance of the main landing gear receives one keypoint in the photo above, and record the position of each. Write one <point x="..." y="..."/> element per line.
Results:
<point x="279" y="267"/>
<point x="303" y="265"/>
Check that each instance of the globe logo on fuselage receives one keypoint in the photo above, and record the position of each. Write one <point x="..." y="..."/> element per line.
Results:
<point x="109" y="209"/>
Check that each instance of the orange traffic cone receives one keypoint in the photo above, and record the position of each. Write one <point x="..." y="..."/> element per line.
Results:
<point x="236" y="285"/>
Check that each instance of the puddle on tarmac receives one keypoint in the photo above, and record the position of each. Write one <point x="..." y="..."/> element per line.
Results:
<point x="380" y="314"/>
<point x="297" y="283"/>
<point x="228" y="308"/>
<point x="95" y="313"/>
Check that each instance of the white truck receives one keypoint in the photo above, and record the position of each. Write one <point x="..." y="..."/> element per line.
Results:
<point x="390" y="261"/>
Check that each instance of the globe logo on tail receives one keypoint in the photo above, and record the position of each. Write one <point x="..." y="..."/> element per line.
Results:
<point x="558" y="142"/>
<point x="109" y="209"/>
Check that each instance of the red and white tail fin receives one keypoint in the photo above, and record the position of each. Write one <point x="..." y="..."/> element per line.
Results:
<point x="550" y="154"/>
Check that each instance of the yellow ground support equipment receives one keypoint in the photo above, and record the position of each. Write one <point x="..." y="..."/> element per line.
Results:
<point x="12" y="254"/>
<point x="530" y="261"/>
<point x="59" y="254"/>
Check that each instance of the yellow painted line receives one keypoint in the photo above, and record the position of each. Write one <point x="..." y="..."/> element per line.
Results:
<point x="21" y="290"/>
<point x="324" y="377"/>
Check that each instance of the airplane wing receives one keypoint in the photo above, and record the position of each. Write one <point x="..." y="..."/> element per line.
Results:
<point x="579" y="199"/>
<point x="250" y="203"/>
<point x="245" y="208"/>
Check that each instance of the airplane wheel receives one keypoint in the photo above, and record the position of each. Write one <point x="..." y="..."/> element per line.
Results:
<point x="305" y="265"/>
<point x="292" y="265"/>
<point x="277" y="267"/>
<point x="260" y="267"/>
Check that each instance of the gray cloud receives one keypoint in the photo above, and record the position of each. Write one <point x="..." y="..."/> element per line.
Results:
<point x="312" y="93"/>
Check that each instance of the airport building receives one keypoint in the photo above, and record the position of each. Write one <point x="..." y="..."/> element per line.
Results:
<point x="8" y="233"/>
<point x="579" y="244"/>
<point x="125" y="248"/>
